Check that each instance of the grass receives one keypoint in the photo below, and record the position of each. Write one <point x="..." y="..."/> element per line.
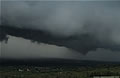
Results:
<point x="58" y="72"/>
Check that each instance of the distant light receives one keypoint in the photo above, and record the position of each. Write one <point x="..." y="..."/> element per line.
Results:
<point x="106" y="77"/>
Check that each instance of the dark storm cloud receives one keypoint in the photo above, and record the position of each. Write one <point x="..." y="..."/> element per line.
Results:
<point x="82" y="25"/>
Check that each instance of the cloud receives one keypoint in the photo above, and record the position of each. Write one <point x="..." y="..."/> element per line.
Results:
<point x="21" y="48"/>
<point x="102" y="54"/>
<point x="99" y="20"/>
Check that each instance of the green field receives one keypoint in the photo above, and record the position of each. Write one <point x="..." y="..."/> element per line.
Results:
<point x="58" y="72"/>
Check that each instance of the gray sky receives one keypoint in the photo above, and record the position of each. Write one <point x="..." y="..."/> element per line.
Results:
<point x="60" y="0"/>
<point x="21" y="48"/>
<point x="77" y="17"/>
<point x="100" y="19"/>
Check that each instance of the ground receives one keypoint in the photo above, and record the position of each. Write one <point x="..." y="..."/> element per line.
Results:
<point x="24" y="71"/>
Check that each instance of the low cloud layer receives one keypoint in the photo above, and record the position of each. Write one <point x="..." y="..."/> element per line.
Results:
<point x="98" y="19"/>
<point x="102" y="54"/>
<point x="21" y="48"/>
<point x="101" y="19"/>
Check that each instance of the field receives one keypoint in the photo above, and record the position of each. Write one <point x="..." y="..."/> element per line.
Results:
<point x="24" y="71"/>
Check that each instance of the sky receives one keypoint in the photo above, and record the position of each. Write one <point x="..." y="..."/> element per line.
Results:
<point x="19" y="48"/>
<point x="100" y="20"/>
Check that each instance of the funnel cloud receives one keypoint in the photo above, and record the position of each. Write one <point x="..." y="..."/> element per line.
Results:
<point x="82" y="26"/>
